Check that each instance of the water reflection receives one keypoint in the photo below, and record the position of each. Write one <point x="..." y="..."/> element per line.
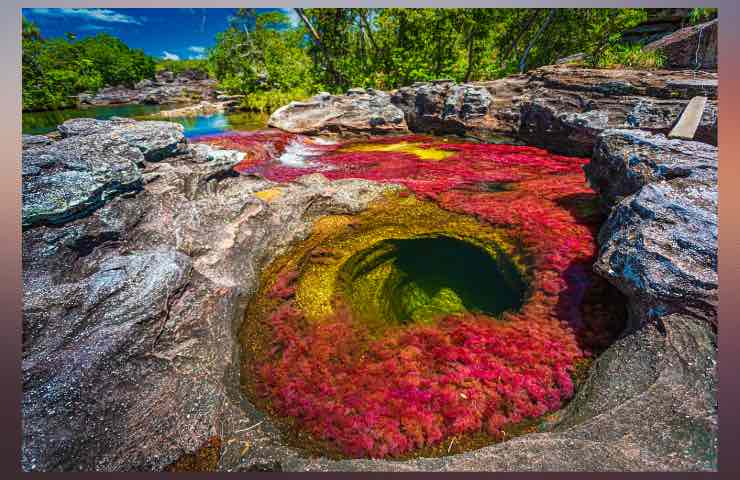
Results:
<point x="36" y="123"/>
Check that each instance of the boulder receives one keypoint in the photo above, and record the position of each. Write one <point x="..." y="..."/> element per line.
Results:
<point x="565" y="109"/>
<point x="690" y="47"/>
<point x="485" y="109"/>
<point x="156" y="140"/>
<point x="659" y="243"/>
<point x="73" y="176"/>
<point x="659" y="248"/>
<point x="624" y="161"/>
<point x="369" y="112"/>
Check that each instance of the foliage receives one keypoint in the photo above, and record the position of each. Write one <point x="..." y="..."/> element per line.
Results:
<point x="179" y="66"/>
<point x="261" y="57"/>
<point x="270" y="100"/>
<point x="699" y="15"/>
<point x="337" y="48"/>
<point x="55" y="70"/>
<point x="631" y="56"/>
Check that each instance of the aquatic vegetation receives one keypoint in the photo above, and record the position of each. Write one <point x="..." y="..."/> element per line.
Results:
<point x="372" y="339"/>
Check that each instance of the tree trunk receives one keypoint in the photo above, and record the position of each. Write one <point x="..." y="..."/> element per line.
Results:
<point x="317" y="40"/>
<point x="519" y="35"/>
<point x="471" y="42"/>
<point x="543" y="27"/>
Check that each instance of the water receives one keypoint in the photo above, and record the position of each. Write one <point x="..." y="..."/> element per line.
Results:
<point x="37" y="123"/>
<point x="415" y="280"/>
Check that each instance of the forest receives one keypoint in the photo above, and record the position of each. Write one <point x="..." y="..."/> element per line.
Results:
<point x="271" y="61"/>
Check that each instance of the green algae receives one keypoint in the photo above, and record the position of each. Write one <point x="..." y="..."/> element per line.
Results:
<point x="418" y="279"/>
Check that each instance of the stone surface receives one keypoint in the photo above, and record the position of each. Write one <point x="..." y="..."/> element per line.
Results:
<point x="155" y="140"/>
<point x="659" y="244"/>
<point x="166" y="88"/>
<point x="130" y="313"/>
<point x="659" y="247"/>
<point x="566" y="109"/>
<point x="690" y="47"/>
<point x="73" y="176"/>
<point x="626" y="160"/>
<point x="368" y="112"/>
<point x="561" y="107"/>
<point x="486" y="109"/>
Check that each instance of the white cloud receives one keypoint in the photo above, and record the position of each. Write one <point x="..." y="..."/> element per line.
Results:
<point x="100" y="14"/>
<point x="95" y="28"/>
<point x="197" y="49"/>
<point x="170" y="56"/>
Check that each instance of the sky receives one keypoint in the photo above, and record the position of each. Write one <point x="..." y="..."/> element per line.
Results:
<point x="176" y="33"/>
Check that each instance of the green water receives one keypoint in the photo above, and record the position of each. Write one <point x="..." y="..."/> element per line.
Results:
<point x="420" y="279"/>
<point x="37" y="123"/>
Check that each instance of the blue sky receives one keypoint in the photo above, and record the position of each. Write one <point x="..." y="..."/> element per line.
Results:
<point x="161" y="32"/>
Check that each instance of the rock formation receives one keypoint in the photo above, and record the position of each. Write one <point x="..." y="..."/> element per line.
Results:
<point x="368" y="111"/>
<point x="561" y="108"/>
<point x="167" y="88"/>
<point x="691" y="47"/>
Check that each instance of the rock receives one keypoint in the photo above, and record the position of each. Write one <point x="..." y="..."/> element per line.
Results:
<point x="659" y="247"/>
<point x="73" y="176"/>
<point x="486" y="109"/>
<point x="30" y="141"/>
<point x="203" y="108"/>
<point x="130" y="357"/>
<point x="659" y="244"/>
<point x="144" y="84"/>
<point x="156" y="140"/>
<point x="575" y="58"/>
<point x="624" y="161"/>
<point x="227" y="98"/>
<point x="371" y="112"/>
<point x="164" y="90"/>
<point x="691" y="47"/>
<point x="566" y="109"/>
<point x="165" y="77"/>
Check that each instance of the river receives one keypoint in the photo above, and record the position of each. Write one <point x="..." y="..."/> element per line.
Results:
<point x="37" y="123"/>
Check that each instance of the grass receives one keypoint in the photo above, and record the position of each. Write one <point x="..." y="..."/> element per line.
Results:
<point x="631" y="56"/>
<point x="268" y="101"/>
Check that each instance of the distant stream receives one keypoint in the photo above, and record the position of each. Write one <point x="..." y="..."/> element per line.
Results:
<point x="37" y="123"/>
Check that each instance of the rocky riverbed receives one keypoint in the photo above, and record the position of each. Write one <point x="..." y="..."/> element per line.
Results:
<point x="142" y="252"/>
<point x="166" y="88"/>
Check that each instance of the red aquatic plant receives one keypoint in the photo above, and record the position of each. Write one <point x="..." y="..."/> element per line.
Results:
<point x="420" y="385"/>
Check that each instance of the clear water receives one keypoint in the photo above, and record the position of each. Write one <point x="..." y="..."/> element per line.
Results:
<point x="415" y="280"/>
<point x="37" y="123"/>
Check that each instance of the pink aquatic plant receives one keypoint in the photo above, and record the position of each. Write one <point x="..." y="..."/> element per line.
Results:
<point x="422" y="384"/>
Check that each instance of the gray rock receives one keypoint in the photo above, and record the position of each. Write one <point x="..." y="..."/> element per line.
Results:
<point x="31" y="141"/>
<point x="659" y="247"/>
<point x="626" y="160"/>
<point x="369" y="112"/>
<point x="156" y="140"/>
<point x="690" y="47"/>
<point x="74" y="176"/>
